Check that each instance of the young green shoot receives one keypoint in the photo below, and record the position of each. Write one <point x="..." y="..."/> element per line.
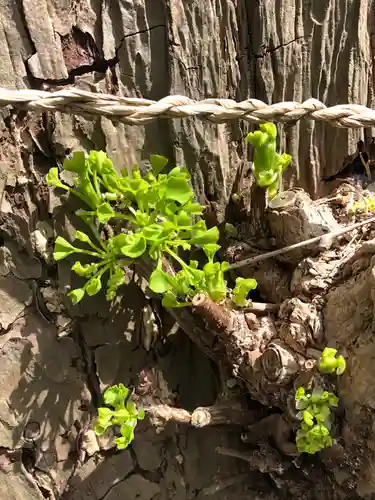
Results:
<point x="158" y="218"/>
<point x="268" y="165"/>
<point x="123" y="413"/>
<point x="315" y="407"/>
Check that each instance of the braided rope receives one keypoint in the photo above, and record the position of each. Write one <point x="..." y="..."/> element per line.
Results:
<point x="138" y="111"/>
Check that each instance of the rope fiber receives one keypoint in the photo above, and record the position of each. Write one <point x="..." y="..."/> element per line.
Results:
<point x="137" y="111"/>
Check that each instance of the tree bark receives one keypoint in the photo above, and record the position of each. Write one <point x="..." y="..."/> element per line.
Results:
<point x="317" y="49"/>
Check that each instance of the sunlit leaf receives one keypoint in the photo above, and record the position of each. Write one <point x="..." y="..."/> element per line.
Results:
<point x="116" y="395"/>
<point x="93" y="286"/>
<point x="78" y="235"/>
<point x="205" y="237"/>
<point x="76" y="295"/>
<point x="77" y="163"/>
<point x="210" y="250"/>
<point x="135" y="247"/>
<point x="117" y="279"/>
<point x="63" y="249"/>
<point x="157" y="163"/>
<point x="178" y="189"/>
<point x="84" y="269"/>
<point x="160" y="281"/>
<point x="105" y="212"/>
<point x="52" y="179"/>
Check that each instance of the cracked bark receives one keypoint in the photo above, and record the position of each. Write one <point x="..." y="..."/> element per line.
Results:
<point x="100" y="65"/>
<point x="269" y="50"/>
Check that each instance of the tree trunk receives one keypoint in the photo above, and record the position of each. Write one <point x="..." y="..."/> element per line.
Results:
<point x="56" y="359"/>
<point x="317" y="49"/>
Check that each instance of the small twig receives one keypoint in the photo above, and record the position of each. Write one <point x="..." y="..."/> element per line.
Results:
<point x="216" y="316"/>
<point x="260" y="307"/>
<point x="161" y="414"/>
<point x="258" y="258"/>
<point x="322" y="201"/>
<point x="348" y="252"/>
<point x="229" y="413"/>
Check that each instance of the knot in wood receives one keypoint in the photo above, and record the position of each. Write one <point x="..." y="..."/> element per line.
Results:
<point x="200" y="417"/>
<point x="278" y="364"/>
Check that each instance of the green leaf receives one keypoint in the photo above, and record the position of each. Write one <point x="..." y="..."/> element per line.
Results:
<point x="210" y="250"/>
<point x="328" y="362"/>
<point x="142" y="219"/>
<point x="216" y="285"/>
<point x="183" y="219"/>
<point x="153" y="232"/>
<point x="121" y="442"/>
<point x="86" y="216"/>
<point x="301" y="405"/>
<point x="308" y="418"/>
<point x="87" y="189"/>
<point x="84" y="270"/>
<point x="169" y="300"/>
<point x="105" y="414"/>
<point x="117" y="242"/>
<point x="300" y="393"/>
<point x="63" y="249"/>
<point x="270" y="129"/>
<point x="323" y="414"/>
<point x="333" y="400"/>
<point x="160" y="281"/>
<point x="127" y="436"/>
<point x="76" y="295"/>
<point x="127" y="432"/>
<point x="316" y="396"/>
<point x="105" y="212"/>
<point x="116" y="395"/>
<point x="178" y="189"/>
<point x="120" y="416"/>
<point x="341" y="365"/>
<point x="93" y="286"/>
<point x="52" y="179"/>
<point x="77" y="163"/>
<point x="103" y="421"/>
<point x="205" y="237"/>
<point x="141" y="414"/>
<point x="158" y="163"/>
<point x="117" y="279"/>
<point x="99" y="161"/>
<point x="100" y="429"/>
<point x="242" y="289"/>
<point x="193" y="208"/>
<point x="82" y="237"/>
<point x="329" y="352"/>
<point x="179" y="172"/>
<point x="132" y="408"/>
<point x="135" y="247"/>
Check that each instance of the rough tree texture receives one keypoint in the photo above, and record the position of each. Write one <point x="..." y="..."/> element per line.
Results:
<point x="319" y="48"/>
<point x="151" y="48"/>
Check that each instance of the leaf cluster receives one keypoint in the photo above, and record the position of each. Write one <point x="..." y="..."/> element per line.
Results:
<point x="315" y="407"/>
<point x="315" y="415"/>
<point x="124" y="414"/>
<point x="268" y="164"/>
<point x="160" y="219"/>
<point x="331" y="364"/>
<point x="364" y="205"/>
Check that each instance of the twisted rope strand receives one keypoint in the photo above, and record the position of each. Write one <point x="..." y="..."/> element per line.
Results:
<point x="137" y="111"/>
